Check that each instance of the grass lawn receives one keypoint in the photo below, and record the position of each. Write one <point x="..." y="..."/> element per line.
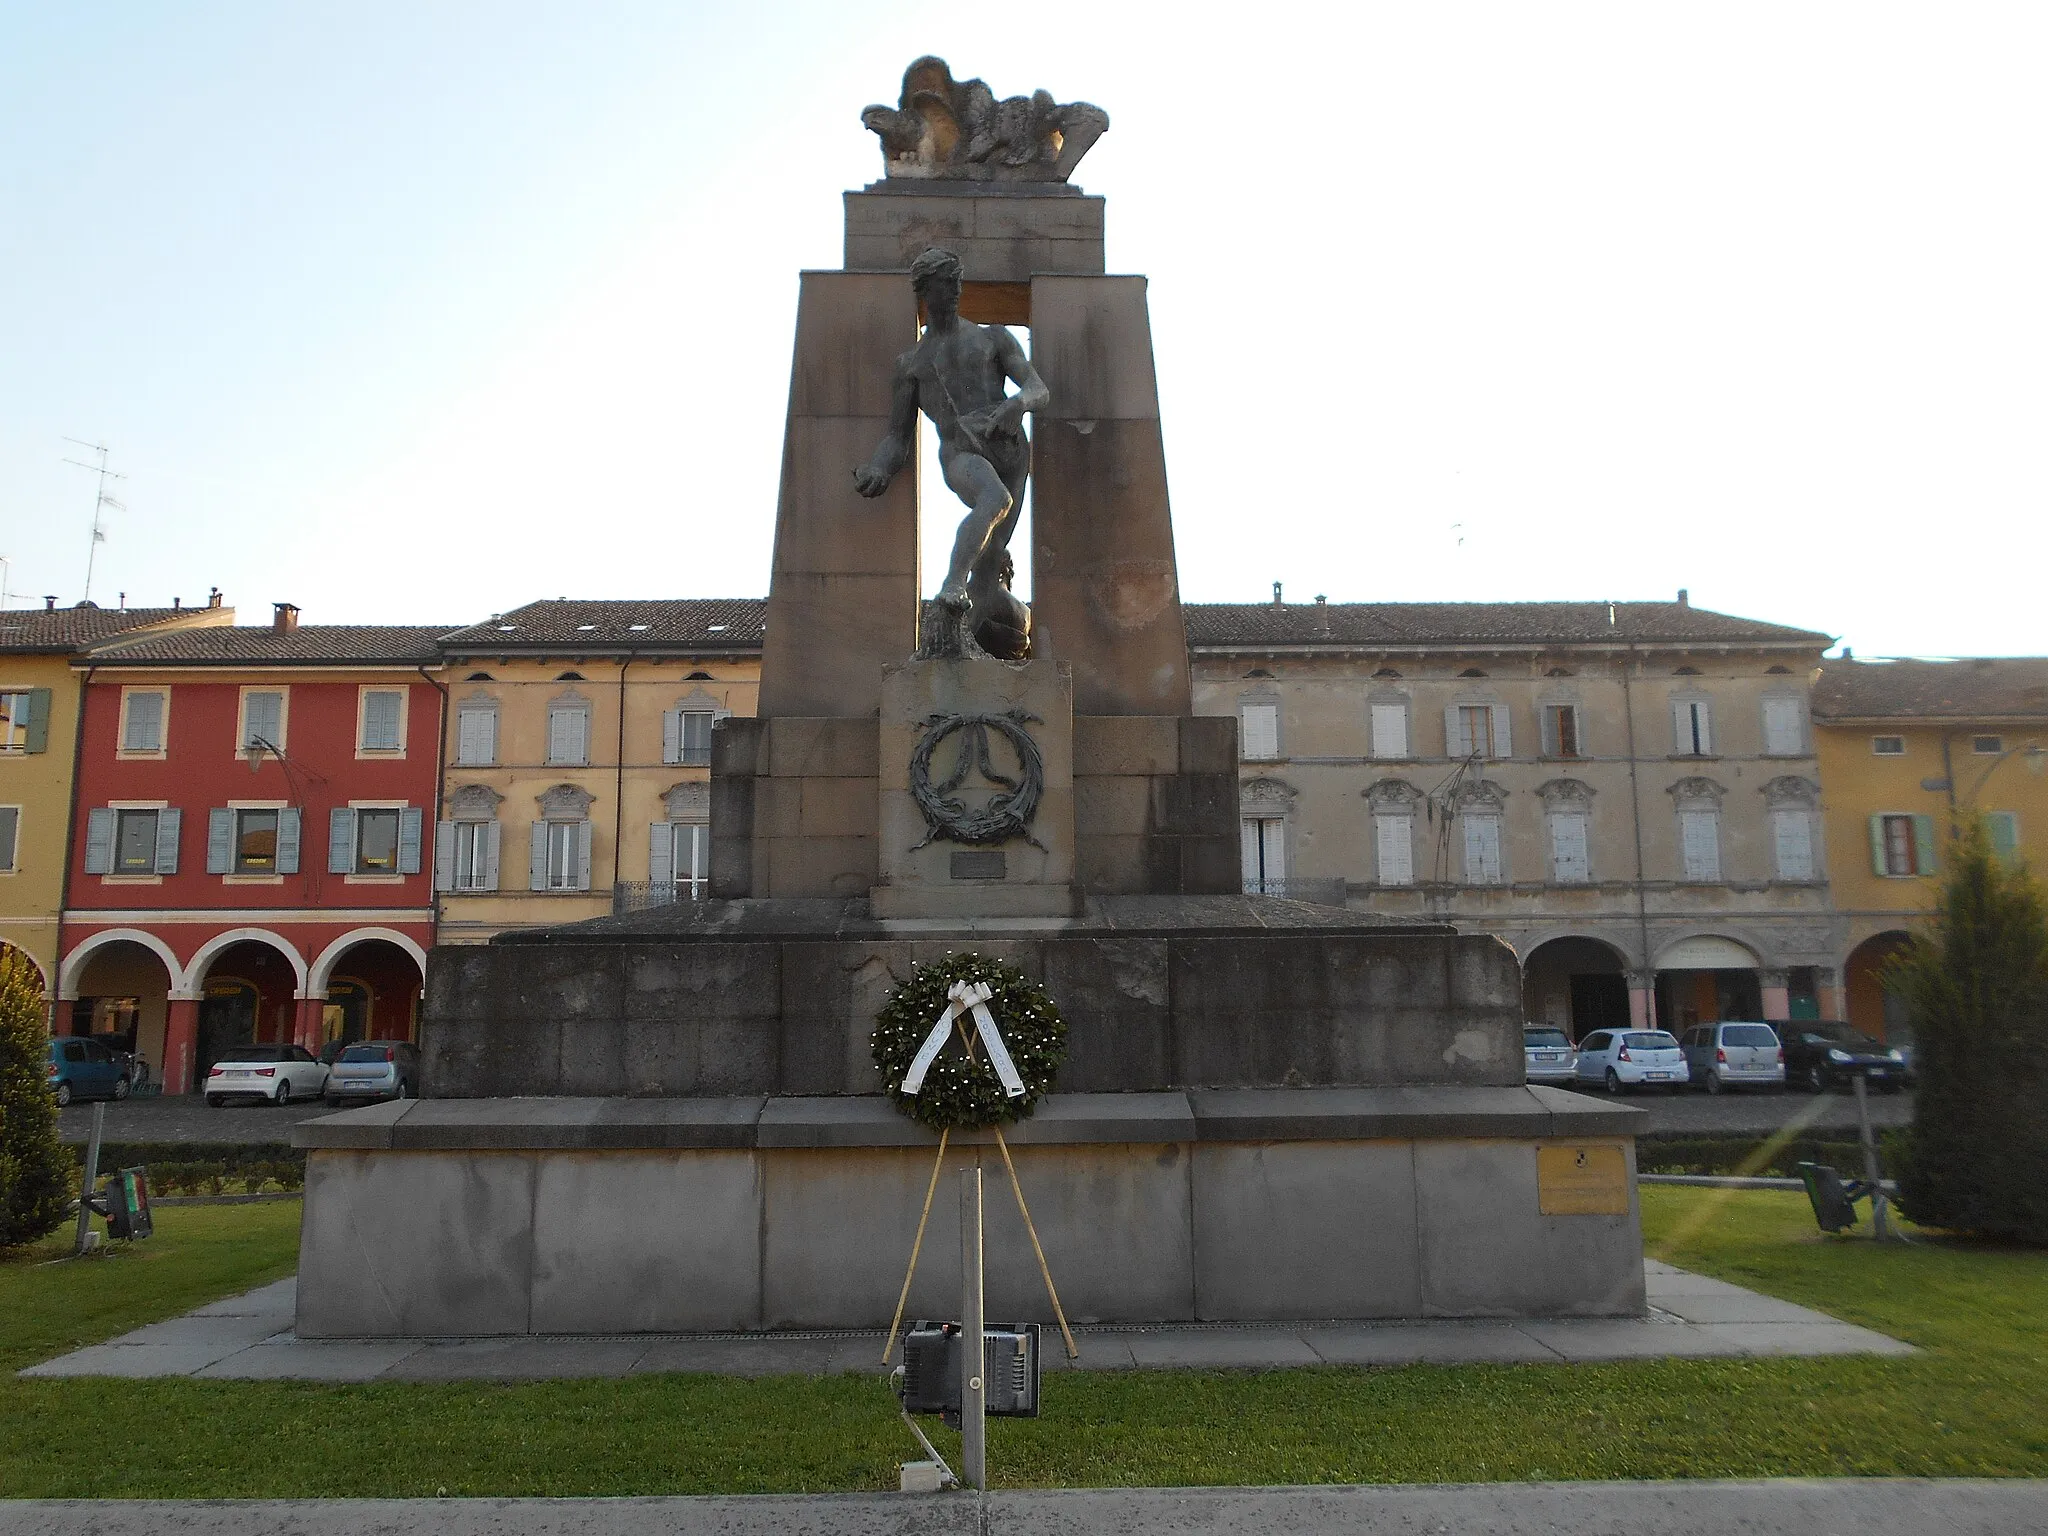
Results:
<point x="1975" y="1403"/>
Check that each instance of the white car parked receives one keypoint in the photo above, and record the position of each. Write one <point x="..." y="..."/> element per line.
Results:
<point x="1629" y="1058"/>
<point x="279" y="1073"/>
<point x="1547" y="1054"/>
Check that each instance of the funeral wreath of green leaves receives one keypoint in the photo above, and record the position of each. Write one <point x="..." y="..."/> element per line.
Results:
<point x="960" y="1091"/>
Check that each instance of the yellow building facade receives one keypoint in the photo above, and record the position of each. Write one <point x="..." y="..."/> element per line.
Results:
<point x="39" y="702"/>
<point x="577" y="766"/>
<point x="1907" y="751"/>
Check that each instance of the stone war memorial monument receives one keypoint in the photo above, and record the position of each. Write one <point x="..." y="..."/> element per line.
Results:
<point x="675" y="1121"/>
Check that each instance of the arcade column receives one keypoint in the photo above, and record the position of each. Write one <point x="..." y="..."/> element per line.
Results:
<point x="181" y="1043"/>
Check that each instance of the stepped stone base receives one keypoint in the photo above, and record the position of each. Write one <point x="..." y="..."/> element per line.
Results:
<point x="605" y="1216"/>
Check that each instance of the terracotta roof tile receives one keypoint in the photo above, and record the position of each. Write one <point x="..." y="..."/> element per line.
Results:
<point x="1967" y="688"/>
<point x="1222" y="626"/>
<point x="673" y="623"/>
<point x="60" y="630"/>
<point x="308" y="645"/>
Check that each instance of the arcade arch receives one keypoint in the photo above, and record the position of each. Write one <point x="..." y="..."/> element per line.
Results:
<point x="1576" y="983"/>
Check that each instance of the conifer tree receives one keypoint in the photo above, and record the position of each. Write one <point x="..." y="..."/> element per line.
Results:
<point x="1975" y="984"/>
<point x="34" y="1169"/>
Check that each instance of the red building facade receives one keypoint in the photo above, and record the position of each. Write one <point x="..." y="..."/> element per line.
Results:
<point x="252" y="851"/>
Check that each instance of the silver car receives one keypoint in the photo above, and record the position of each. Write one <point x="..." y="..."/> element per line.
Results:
<point x="375" y="1069"/>
<point x="1547" y="1054"/>
<point x="1734" y="1055"/>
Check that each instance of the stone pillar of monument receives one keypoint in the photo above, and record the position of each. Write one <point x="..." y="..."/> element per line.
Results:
<point x="801" y="798"/>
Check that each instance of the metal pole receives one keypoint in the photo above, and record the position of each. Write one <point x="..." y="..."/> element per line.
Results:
<point x="973" y="1337"/>
<point x="92" y="1173"/>
<point x="1879" y="1224"/>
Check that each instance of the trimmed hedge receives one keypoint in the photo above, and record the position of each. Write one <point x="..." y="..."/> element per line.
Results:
<point x="1728" y="1155"/>
<point x="202" y="1167"/>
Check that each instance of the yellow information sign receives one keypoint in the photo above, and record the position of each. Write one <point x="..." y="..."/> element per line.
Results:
<point x="1585" y="1178"/>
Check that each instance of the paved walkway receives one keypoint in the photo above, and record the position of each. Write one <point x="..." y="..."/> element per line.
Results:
<point x="1864" y="1506"/>
<point x="249" y="1337"/>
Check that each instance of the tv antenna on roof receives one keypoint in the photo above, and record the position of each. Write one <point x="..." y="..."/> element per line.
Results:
<point x="100" y="504"/>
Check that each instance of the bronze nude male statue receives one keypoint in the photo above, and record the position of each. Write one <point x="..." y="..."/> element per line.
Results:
<point x="958" y="375"/>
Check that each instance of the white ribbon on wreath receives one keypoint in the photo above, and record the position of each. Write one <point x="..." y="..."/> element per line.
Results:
<point x="965" y="997"/>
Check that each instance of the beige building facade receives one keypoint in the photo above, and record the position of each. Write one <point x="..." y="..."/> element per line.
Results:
<point x="1626" y="793"/>
<point x="576" y="769"/>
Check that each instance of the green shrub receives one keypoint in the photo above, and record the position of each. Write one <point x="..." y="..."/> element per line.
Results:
<point x="1975" y="985"/>
<point x="1745" y="1155"/>
<point x="35" y="1170"/>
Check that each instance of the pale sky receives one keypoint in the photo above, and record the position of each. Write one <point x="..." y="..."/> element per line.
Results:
<point x="417" y="312"/>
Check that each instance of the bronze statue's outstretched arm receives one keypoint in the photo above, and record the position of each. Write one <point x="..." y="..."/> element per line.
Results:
<point x="893" y="451"/>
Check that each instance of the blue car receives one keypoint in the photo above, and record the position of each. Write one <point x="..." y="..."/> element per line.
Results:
<point x="85" y="1069"/>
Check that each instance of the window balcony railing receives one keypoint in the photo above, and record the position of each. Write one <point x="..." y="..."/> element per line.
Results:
<point x="646" y="895"/>
<point x="1324" y="892"/>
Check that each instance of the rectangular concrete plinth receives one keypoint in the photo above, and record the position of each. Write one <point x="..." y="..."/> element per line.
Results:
<point x="1148" y="1208"/>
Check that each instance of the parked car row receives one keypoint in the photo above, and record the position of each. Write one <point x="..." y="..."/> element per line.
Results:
<point x="362" y="1071"/>
<point x="1818" y="1055"/>
<point x="83" y="1068"/>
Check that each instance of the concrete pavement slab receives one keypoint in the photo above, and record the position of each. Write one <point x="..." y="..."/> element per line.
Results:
<point x="1101" y="1350"/>
<point x="313" y="1360"/>
<point x="1203" y="1349"/>
<point x="518" y="1359"/>
<point x="1789" y="1507"/>
<point x="135" y="1360"/>
<point x="1591" y="1339"/>
<point x="751" y="1357"/>
<point x="1446" y="1343"/>
<point x="1741" y="1307"/>
<point x="1825" y="1337"/>
<point x="237" y="1331"/>
<point x="276" y="1299"/>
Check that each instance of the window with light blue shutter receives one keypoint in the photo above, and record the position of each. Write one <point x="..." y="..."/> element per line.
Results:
<point x="220" y="841"/>
<point x="383" y="715"/>
<point x="409" y="836"/>
<point x="2004" y="827"/>
<point x="341" y="841"/>
<point x="99" y="841"/>
<point x="169" y="823"/>
<point x="142" y="727"/>
<point x="1926" y="855"/>
<point x="288" y="840"/>
<point x="262" y="720"/>
<point x="38" y="725"/>
<point x="10" y="836"/>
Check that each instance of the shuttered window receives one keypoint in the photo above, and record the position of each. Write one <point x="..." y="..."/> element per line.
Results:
<point x="1477" y="730"/>
<point x="1700" y="845"/>
<point x="568" y="735"/>
<point x="1561" y="730"/>
<point x="679" y="854"/>
<point x="1570" y="863"/>
<point x="466" y="856"/>
<point x="1393" y="835"/>
<point x="561" y="856"/>
<point x="1692" y="727"/>
<point x="2004" y="827"/>
<point x="1259" y="731"/>
<point x="476" y="735"/>
<point x="1264" y="855"/>
<point x="1902" y="845"/>
<point x="1390" y="730"/>
<point x="686" y="736"/>
<point x="1482" y="850"/>
<point x="25" y="720"/>
<point x="142" y="722"/>
<point x="1792" y="844"/>
<point x="262" y="720"/>
<point x="10" y="835"/>
<point x="1784" y="727"/>
<point x="383" y="720"/>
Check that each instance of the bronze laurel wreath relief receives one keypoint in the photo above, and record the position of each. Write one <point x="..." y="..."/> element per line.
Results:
<point x="1009" y="811"/>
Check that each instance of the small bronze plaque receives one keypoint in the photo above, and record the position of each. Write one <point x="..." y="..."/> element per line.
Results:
<point x="1582" y="1179"/>
<point x="981" y="864"/>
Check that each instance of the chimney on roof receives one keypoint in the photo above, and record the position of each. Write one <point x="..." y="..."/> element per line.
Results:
<point x="176" y="603"/>
<point x="1276" y="594"/>
<point x="213" y="598"/>
<point x="1848" y="653"/>
<point x="1684" y="598"/>
<point x="1322" y="598"/>
<point x="49" y="602"/>
<point x="284" y="617"/>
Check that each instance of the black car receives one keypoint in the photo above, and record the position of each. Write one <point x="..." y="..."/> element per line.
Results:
<point x="1821" y="1054"/>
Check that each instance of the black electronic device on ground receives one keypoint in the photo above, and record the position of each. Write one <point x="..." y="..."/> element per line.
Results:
<point x="931" y="1370"/>
<point x="124" y="1201"/>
